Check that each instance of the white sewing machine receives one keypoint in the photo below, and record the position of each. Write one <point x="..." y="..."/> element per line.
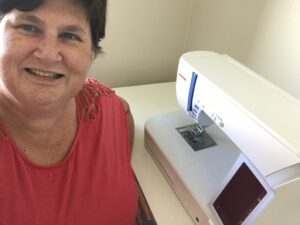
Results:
<point x="233" y="156"/>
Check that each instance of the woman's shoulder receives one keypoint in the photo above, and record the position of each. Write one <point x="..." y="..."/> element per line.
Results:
<point x="90" y="97"/>
<point x="94" y="88"/>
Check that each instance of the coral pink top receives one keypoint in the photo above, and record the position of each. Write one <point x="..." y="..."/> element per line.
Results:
<point x="93" y="185"/>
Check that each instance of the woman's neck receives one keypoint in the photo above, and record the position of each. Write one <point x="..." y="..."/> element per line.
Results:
<point x="45" y="137"/>
<point x="37" y="119"/>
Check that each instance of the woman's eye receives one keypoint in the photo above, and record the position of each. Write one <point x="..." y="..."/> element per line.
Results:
<point x="28" y="28"/>
<point x="70" y="36"/>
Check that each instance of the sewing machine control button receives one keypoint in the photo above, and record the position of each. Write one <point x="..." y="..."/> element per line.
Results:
<point x="221" y="124"/>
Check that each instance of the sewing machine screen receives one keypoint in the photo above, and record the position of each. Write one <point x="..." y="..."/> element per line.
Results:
<point x="242" y="194"/>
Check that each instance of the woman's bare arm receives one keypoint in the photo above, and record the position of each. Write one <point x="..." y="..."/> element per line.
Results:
<point x="130" y="122"/>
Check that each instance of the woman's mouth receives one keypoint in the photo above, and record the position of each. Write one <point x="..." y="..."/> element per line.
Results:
<point x="41" y="73"/>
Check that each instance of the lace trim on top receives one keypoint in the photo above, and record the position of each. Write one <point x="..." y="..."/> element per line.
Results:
<point x="88" y="98"/>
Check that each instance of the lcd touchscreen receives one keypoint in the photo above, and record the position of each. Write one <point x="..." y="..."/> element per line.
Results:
<point x="239" y="197"/>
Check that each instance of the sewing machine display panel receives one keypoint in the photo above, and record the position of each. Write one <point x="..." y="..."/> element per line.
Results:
<point x="244" y="194"/>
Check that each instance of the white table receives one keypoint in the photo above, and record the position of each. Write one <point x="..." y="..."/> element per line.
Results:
<point x="145" y="101"/>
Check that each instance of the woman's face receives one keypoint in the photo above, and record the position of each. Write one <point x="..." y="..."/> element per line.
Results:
<point x="44" y="54"/>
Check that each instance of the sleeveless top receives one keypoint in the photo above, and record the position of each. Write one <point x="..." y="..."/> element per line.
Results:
<point x="93" y="185"/>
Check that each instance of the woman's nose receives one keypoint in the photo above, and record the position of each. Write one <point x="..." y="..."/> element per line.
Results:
<point x="48" y="50"/>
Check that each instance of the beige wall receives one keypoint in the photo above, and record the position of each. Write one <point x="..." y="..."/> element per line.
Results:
<point x="146" y="38"/>
<point x="225" y="26"/>
<point x="262" y="34"/>
<point x="275" y="53"/>
<point x="144" y="41"/>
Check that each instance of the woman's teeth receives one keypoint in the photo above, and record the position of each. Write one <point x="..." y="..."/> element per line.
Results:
<point x="43" y="73"/>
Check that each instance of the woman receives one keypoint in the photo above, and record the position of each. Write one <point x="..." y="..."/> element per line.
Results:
<point x="64" y="143"/>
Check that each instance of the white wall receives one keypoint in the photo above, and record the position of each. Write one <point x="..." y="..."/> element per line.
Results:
<point x="275" y="53"/>
<point x="144" y="41"/>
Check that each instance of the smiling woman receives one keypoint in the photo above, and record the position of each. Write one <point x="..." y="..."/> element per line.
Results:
<point x="64" y="137"/>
